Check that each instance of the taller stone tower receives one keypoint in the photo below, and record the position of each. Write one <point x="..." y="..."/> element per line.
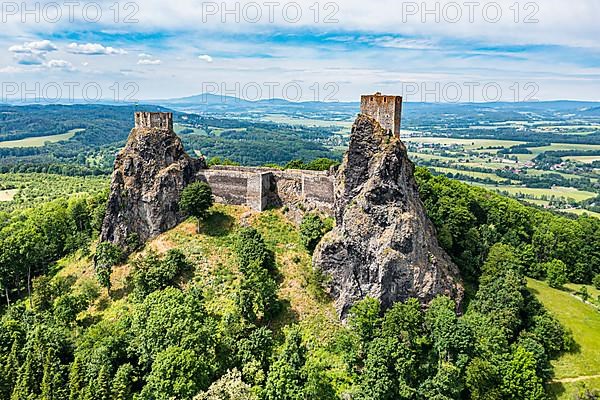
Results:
<point x="383" y="245"/>
<point x="387" y="110"/>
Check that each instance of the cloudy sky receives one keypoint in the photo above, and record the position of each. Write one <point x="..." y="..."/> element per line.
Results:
<point x="301" y="50"/>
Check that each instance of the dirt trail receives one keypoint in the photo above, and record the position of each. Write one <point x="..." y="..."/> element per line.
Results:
<point x="576" y="379"/>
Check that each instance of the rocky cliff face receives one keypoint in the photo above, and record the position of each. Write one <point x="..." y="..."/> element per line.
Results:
<point x="383" y="245"/>
<point x="150" y="173"/>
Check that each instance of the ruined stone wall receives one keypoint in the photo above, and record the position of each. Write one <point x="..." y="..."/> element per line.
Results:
<point x="384" y="109"/>
<point x="228" y="187"/>
<point x="157" y="120"/>
<point x="260" y="188"/>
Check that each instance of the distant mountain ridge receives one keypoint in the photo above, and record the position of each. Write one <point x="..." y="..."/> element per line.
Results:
<point x="216" y="103"/>
<point x="222" y="104"/>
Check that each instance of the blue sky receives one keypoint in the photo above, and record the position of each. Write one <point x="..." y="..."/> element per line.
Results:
<point x="303" y="50"/>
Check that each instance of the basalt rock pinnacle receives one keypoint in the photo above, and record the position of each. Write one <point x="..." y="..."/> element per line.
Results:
<point x="383" y="245"/>
<point x="149" y="175"/>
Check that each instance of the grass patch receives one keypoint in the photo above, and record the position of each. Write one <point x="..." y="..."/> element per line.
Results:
<point x="583" y="320"/>
<point x="566" y="390"/>
<point x="39" y="141"/>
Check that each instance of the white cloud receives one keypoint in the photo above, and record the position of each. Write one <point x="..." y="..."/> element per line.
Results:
<point x="144" y="55"/>
<point x="206" y="57"/>
<point x="147" y="61"/>
<point x="402" y="43"/>
<point x="10" y="70"/>
<point x="59" y="64"/>
<point x="32" y="53"/>
<point x="93" y="49"/>
<point x="40" y="46"/>
<point x="29" y="58"/>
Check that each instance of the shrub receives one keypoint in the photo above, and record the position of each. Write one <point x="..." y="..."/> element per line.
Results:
<point x="151" y="273"/>
<point x="596" y="281"/>
<point x="257" y="293"/>
<point x="250" y="247"/>
<point x="556" y="273"/>
<point x="230" y="386"/>
<point x="195" y="200"/>
<point x="107" y="256"/>
<point x="312" y="230"/>
<point x="584" y="294"/>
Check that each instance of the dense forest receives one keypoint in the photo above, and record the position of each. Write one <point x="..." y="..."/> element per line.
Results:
<point x="160" y="339"/>
<point x="104" y="129"/>
<point x="470" y="220"/>
<point x="258" y="146"/>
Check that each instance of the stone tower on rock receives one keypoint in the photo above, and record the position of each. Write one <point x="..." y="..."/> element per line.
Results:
<point x="387" y="110"/>
<point x="149" y="174"/>
<point x="383" y="245"/>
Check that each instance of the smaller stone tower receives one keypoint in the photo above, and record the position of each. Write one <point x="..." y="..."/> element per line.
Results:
<point x="387" y="110"/>
<point x="156" y="120"/>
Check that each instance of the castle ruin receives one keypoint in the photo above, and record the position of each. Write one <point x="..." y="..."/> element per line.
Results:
<point x="382" y="246"/>
<point x="260" y="188"/>
<point x="387" y="110"/>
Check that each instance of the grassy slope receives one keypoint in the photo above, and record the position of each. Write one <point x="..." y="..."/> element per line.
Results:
<point x="211" y="253"/>
<point x="584" y="321"/>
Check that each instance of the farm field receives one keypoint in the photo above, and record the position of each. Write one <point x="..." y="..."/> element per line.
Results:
<point x="429" y="156"/>
<point x="564" y="147"/>
<point x="582" y="366"/>
<point x="537" y="172"/>
<point x="178" y="128"/>
<point x="292" y="120"/>
<point x="568" y="193"/>
<point x="582" y="159"/>
<point x="468" y="144"/>
<point x="577" y="211"/>
<point x="40" y="140"/>
<point x="214" y="131"/>
<point x="18" y="191"/>
<point x="474" y="174"/>
<point x="532" y="178"/>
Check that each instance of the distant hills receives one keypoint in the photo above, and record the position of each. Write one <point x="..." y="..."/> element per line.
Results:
<point x="211" y="103"/>
<point x="415" y="115"/>
<point x="222" y="105"/>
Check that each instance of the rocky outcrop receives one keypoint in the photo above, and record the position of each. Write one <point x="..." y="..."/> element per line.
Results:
<point x="149" y="175"/>
<point x="383" y="245"/>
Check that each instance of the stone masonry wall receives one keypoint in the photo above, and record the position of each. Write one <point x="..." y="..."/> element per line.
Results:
<point x="260" y="188"/>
